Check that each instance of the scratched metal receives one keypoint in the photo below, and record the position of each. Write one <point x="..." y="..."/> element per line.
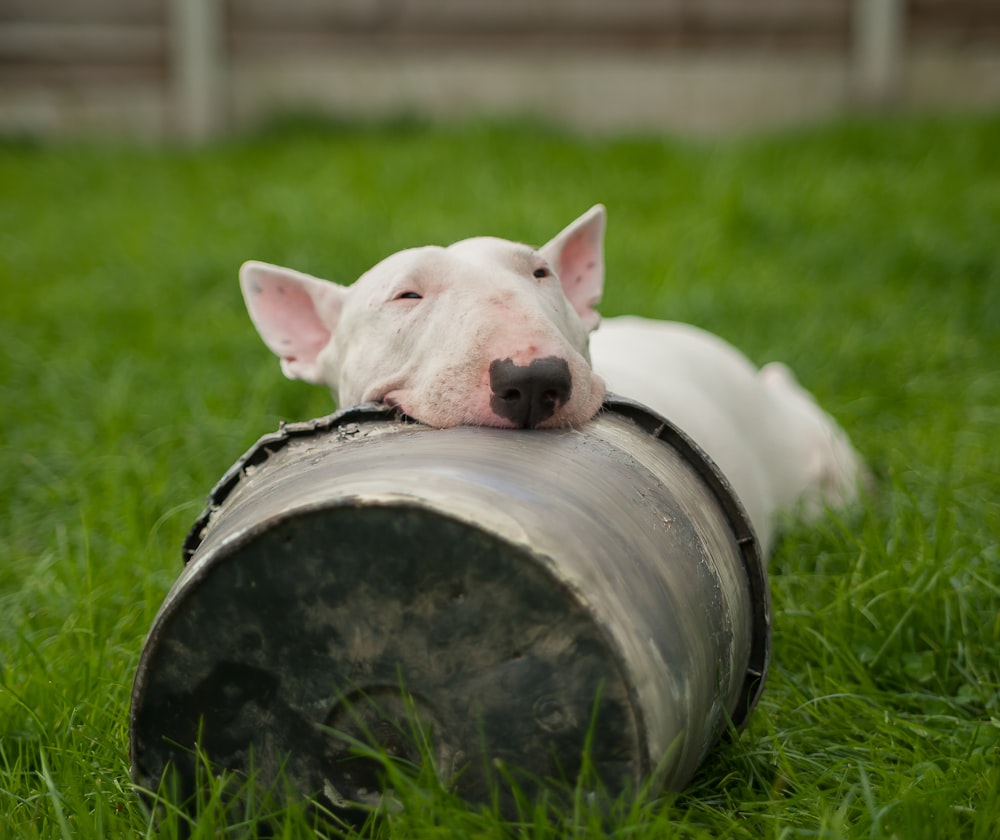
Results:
<point x="506" y="592"/>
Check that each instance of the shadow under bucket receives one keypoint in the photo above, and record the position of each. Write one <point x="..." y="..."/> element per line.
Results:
<point x="531" y="591"/>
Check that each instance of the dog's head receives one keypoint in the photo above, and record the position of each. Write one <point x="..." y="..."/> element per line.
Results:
<point x="484" y="332"/>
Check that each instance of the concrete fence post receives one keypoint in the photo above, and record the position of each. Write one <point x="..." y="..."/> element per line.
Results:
<point x="198" y="68"/>
<point x="878" y="51"/>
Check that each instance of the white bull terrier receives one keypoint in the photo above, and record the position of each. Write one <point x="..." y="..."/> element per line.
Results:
<point x="494" y="333"/>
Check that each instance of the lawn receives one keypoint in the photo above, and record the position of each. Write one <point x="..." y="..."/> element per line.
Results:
<point x="864" y="254"/>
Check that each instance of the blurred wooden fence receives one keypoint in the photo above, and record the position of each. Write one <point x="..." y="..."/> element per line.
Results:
<point x="194" y="68"/>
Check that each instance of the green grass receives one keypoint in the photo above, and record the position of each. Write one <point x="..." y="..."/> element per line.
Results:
<point x="864" y="254"/>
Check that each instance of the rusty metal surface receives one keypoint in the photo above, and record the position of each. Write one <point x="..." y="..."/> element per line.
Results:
<point x="507" y="579"/>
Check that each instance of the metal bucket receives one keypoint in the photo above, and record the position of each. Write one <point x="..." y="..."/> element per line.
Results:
<point x="519" y="594"/>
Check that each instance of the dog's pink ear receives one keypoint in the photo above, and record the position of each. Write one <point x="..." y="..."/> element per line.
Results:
<point x="577" y="255"/>
<point x="294" y="313"/>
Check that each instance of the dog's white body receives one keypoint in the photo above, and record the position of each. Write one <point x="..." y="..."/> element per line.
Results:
<point x="490" y="332"/>
<point x="780" y="451"/>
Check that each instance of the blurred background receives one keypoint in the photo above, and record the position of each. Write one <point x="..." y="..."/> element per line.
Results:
<point x="194" y="69"/>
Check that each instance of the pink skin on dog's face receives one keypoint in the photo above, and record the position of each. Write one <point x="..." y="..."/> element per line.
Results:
<point x="485" y="332"/>
<point x="449" y="316"/>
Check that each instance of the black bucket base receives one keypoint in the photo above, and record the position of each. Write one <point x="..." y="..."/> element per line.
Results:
<point x="332" y="623"/>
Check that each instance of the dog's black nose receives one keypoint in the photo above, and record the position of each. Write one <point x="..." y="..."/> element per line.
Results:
<point x="529" y="394"/>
